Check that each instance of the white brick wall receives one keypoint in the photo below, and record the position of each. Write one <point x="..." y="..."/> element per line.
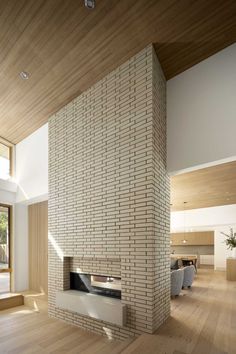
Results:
<point x="161" y="306"/>
<point x="109" y="193"/>
<point x="96" y="266"/>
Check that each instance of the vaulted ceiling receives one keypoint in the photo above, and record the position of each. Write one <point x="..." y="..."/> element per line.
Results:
<point x="66" y="48"/>
<point x="207" y="187"/>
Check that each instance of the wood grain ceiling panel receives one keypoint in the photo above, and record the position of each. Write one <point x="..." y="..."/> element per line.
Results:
<point x="66" y="48"/>
<point x="207" y="187"/>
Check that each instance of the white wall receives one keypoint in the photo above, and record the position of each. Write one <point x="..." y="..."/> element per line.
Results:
<point x="218" y="219"/>
<point x="201" y="113"/>
<point x="32" y="166"/>
<point x="207" y="218"/>
<point x="7" y="197"/>
<point x="31" y="177"/>
<point x="19" y="235"/>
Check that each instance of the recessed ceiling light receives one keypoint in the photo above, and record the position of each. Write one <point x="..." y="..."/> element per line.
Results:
<point x="90" y="4"/>
<point x="24" y="75"/>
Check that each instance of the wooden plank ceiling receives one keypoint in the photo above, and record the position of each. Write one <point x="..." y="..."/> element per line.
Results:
<point x="66" y="48"/>
<point x="207" y="187"/>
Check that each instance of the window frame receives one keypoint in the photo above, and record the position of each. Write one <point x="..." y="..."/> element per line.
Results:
<point x="11" y="156"/>
<point x="9" y="269"/>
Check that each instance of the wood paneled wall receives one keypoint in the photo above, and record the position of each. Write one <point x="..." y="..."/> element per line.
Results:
<point x="38" y="247"/>
<point x="204" y="188"/>
<point x="193" y="238"/>
<point x="66" y="49"/>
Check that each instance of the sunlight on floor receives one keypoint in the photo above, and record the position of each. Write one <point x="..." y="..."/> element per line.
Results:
<point x="108" y="332"/>
<point x="21" y="312"/>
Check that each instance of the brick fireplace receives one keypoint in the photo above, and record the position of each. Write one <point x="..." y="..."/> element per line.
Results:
<point x="109" y="194"/>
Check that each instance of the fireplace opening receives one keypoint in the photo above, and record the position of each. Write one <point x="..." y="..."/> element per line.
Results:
<point x="96" y="284"/>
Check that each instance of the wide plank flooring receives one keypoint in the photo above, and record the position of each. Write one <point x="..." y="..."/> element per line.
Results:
<point x="203" y="321"/>
<point x="25" y="331"/>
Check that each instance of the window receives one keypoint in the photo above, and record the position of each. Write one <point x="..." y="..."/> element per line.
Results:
<point x="4" y="249"/>
<point x="5" y="161"/>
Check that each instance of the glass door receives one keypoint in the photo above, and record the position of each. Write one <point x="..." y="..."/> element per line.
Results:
<point x="5" y="268"/>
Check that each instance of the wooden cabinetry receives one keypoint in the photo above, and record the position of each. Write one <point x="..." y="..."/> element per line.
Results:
<point x="231" y="269"/>
<point x="203" y="238"/>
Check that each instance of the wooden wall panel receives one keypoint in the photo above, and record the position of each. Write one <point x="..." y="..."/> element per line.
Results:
<point x="193" y="238"/>
<point x="204" y="188"/>
<point x="38" y="247"/>
<point x="67" y="48"/>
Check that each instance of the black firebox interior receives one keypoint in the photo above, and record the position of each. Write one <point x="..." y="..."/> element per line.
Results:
<point x="84" y="282"/>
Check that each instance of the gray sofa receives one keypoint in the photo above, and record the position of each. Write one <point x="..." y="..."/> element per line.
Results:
<point x="189" y="273"/>
<point x="175" y="263"/>
<point x="177" y="277"/>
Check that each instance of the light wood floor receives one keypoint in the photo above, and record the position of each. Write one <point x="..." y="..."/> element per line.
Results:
<point x="24" y="331"/>
<point x="203" y="321"/>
